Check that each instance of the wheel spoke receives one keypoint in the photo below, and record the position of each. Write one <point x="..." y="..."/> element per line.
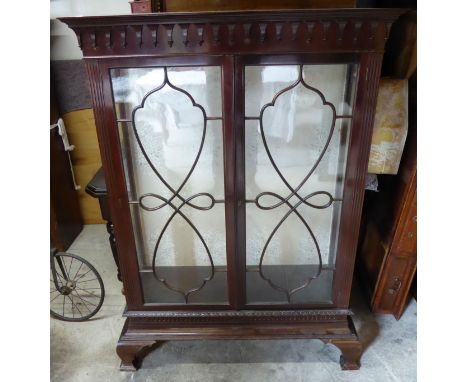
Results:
<point x="76" y="274"/>
<point x="76" y="306"/>
<point x="73" y="305"/>
<point x="85" y="281"/>
<point x="56" y="297"/>
<point x="83" y="275"/>
<point x="89" y="288"/>
<point x="86" y="290"/>
<point x="83" y="297"/>
<point x="69" y="268"/>
<point x="84" y="301"/>
<point x="63" y="307"/>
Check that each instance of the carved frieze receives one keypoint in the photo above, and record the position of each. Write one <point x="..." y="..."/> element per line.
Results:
<point x="233" y="32"/>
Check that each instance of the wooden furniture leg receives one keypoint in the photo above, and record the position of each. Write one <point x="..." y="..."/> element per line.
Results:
<point x="132" y="354"/>
<point x="351" y="351"/>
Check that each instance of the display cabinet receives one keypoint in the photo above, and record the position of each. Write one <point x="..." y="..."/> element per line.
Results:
<point x="235" y="147"/>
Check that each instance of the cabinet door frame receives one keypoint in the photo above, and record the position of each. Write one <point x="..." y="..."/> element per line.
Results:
<point x="234" y="168"/>
<point x="355" y="172"/>
<point x="109" y="141"/>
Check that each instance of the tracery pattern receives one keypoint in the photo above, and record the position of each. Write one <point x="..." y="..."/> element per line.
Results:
<point x="294" y="191"/>
<point x="143" y="200"/>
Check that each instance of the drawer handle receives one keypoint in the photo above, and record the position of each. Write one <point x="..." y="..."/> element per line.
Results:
<point x="396" y="286"/>
<point x="410" y="235"/>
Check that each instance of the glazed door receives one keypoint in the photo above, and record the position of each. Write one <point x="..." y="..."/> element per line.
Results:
<point x="235" y="174"/>
<point x="171" y="120"/>
<point x="296" y="118"/>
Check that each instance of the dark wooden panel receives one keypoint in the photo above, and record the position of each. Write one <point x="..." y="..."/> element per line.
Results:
<point x="371" y="264"/>
<point x="407" y="237"/>
<point x="65" y="216"/>
<point x="239" y="164"/>
<point x="390" y="298"/>
<point x="401" y="50"/>
<point x="235" y="268"/>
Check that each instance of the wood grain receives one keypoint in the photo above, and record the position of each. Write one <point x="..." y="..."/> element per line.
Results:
<point x="86" y="159"/>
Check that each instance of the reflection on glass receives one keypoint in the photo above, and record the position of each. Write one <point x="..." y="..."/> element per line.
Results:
<point x="291" y="246"/>
<point x="169" y="136"/>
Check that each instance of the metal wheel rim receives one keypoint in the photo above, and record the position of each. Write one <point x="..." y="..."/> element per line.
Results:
<point x="90" y="271"/>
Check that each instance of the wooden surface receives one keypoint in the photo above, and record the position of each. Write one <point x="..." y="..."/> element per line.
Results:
<point x="249" y="32"/>
<point x="400" y="58"/>
<point x="140" y="335"/>
<point x="230" y="40"/>
<point x="86" y="159"/>
<point x="65" y="217"/>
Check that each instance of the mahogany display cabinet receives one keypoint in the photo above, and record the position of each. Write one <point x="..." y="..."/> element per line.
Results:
<point x="235" y="147"/>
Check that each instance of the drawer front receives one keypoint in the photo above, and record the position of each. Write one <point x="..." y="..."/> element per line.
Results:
<point x="406" y="242"/>
<point x="398" y="274"/>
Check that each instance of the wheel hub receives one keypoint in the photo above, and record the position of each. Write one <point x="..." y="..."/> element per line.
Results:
<point x="69" y="287"/>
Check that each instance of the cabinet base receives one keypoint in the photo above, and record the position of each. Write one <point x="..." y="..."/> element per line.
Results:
<point x="142" y="335"/>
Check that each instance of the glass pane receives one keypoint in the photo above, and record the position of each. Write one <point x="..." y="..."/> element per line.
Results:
<point x="173" y="159"/>
<point x="131" y="84"/>
<point x="295" y="161"/>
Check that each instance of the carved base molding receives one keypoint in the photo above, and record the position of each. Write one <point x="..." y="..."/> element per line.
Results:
<point x="309" y="313"/>
<point x="141" y="335"/>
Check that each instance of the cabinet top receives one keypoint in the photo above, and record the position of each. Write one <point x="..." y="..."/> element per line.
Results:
<point x="235" y="32"/>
